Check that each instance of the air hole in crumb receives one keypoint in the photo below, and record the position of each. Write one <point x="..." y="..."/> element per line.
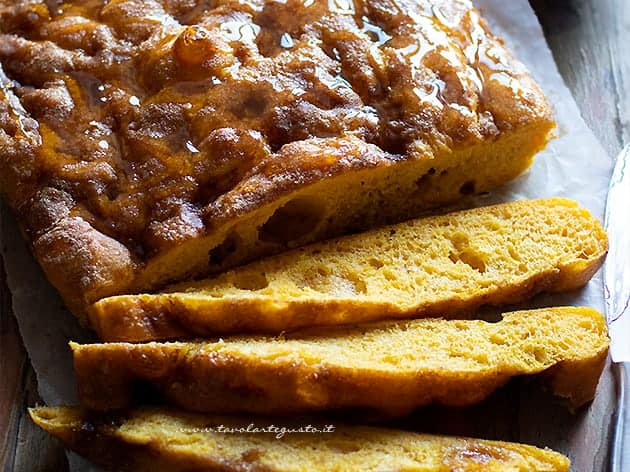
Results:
<point x="473" y="260"/>
<point x="292" y="222"/>
<point x="514" y="254"/>
<point x="453" y="257"/>
<point x="374" y="262"/>
<point x="250" y="281"/>
<point x="470" y="258"/>
<point x="342" y="285"/>
<point x="219" y="254"/>
<point x="540" y="354"/>
<point x="468" y="188"/>
<point x="584" y="255"/>
<point x="389" y="275"/>
<point x="359" y="285"/>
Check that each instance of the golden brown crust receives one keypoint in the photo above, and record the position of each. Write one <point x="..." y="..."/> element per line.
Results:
<point x="391" y="367"/>
<point x="355" y="279"/>
<point x="91" y="261"/>
<point x="163" y="136"/>
<point x="149" y="439"/>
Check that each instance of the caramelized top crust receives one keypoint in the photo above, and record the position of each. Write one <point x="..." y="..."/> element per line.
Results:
<point x="150" y="120"/>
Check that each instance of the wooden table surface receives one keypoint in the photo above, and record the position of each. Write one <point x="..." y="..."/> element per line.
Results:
<point x="590" y="41"/>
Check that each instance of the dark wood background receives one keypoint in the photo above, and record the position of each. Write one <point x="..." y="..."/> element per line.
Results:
<point x="590" y="40"/>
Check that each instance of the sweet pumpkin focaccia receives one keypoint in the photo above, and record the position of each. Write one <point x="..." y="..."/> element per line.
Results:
<point x="143" y="142"/>
<point x="393" y="367"/>
<point x="445" y="265"/>
<point x="150" y="439"/>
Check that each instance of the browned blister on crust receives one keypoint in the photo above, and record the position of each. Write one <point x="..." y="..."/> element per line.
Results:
<point x="391" y="367"/>
<point x="145" y="142"/>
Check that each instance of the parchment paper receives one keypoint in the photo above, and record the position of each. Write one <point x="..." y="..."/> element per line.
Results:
<point x="574" y="165"/>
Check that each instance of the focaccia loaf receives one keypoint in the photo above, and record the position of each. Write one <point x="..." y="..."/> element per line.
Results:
<point x="445" y="265"/>
<point x="152" y="439"/>
<point x="143" y="142"/>
<point x="392" y="367"/>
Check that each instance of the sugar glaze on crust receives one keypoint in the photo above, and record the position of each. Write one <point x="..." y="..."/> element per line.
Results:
<point x="147" y="141"/>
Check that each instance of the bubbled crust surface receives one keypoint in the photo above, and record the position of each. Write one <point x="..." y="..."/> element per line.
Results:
<point x="131" y="127"/>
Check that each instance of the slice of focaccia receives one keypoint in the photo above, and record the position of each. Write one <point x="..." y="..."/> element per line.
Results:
<point x="150" y="439"/>
<point x="144" y="142"/>
<point x="444" y="265"/>
<point x="392" y="367"/>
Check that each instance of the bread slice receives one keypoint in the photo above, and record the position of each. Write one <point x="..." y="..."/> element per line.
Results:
<point x="392" y="367"/>
<point x="156" y="143"/>
<point x="150" y="439"/>
<point x="443" y="265"/>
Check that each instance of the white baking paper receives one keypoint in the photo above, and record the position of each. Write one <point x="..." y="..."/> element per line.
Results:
<point x="574" y="165"/>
